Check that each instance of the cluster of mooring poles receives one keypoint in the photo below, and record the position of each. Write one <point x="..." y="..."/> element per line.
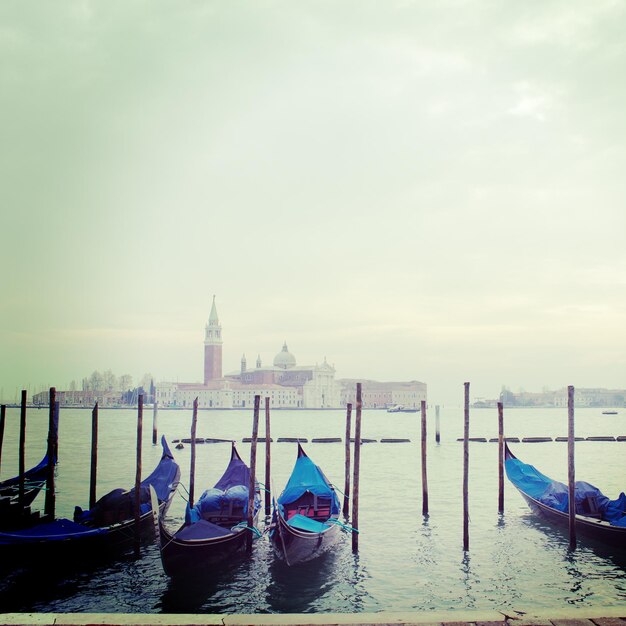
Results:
<point x="267" y="440"/>
<point x="52" y="451"/>
<point x="351" y="488"/>
<point x="93" y="473"/>
<point x="571" y="475"/>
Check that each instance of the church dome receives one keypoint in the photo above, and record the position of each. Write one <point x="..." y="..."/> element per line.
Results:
<point x="284" y="359"/>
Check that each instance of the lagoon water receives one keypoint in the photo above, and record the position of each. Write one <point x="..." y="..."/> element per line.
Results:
<point x="405" y="562"/>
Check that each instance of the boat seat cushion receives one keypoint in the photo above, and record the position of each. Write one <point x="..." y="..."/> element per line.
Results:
<point x="301" y="522"/>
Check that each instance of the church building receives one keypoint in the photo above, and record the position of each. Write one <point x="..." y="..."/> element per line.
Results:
<point x="287" y="384"/>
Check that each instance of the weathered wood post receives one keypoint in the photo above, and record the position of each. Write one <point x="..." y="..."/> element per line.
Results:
<point x="57" y="408"/>
<point x="50" y="500"/>
<point x="192" y="464"/>
<point x="22" y="452"/>
<point x="268" y="458"/>
<point x="94" y="456"/>
<point x="571" y="474"/>
<point x="357" y="467"/>
<point x="466" y="471"/>
<point x="155" y="411"/>
<point x="252" y="486"/>
<point x="137" y="506"/>
<point x="500" y="458"/>
<point x="3" y="413"/>
<point x="424" y="472"/>
<point x="346" y="485"/>
<point x="437" y="429"/>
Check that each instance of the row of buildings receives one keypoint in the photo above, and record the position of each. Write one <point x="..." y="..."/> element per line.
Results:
<point x="287" y="384"/>
<point x="583" y="397"/>
<point x="284" y="381"/>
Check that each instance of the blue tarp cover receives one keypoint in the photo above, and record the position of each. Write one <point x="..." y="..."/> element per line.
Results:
<point x="306" y="476"/>
<point x="556" y="494"/>
<point x="58" y="530"/>
<point x="302" y="522"/>
<point x="232" y="486"/>
<point x="202" y="530"/>
<point x="118" y="504"/>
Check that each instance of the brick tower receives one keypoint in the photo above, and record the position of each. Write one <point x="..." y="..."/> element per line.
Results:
<point x="213" y="347"/>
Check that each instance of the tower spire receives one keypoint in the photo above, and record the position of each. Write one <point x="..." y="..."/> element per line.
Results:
<point x="213" y="346"/>
<point x="213" y="319"/>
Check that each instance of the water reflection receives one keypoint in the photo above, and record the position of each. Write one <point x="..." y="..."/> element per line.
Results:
<point x="298" y="588"/>
<point x="190" y="594"/>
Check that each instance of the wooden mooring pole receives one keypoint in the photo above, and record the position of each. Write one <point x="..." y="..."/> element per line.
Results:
<point x="21" y="461"/>
<point x="94" y="456"/>
<point x="3" y="413"/>
<point x="500" y="458"/>
<point x="466" y="471"/>
<point x="192" y="464"/>
<point x="252" y="486"/>
<point x="155" y="412"/>
<point x="346" y="484"/>
<point x="424" y="473"/>
<point x="357" y="467"/>
<point x="50" y="500"/>
<point x="437" y="429"/>
<point x="57" y="409"/>
<point x="571" y="474"/>
<point x="268" y="458"/>
<point x="137" y="506"/>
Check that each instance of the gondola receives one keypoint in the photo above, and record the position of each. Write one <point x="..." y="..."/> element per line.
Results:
<point x="597" y="517"/>
<point x="34" y="481"/>
<point x="215" y="528"/>
<point x="305" y="516"/>
<point x="109" y="526"/>
<point x="14" y="512"/>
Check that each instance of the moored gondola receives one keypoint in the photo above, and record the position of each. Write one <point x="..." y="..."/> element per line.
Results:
<point x="305" y="516"/>
<point x="215" y="528"/>
<point x="597" y="517"/>
<point x="34" y="480"/>
<point x="106" y="528"/>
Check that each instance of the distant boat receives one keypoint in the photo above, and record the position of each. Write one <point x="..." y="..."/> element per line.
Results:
<point x="399" y="408"/>
<point x="609" y="412"/>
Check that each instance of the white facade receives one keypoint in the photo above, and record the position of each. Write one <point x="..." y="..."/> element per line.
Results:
<point x="322" y="391"/>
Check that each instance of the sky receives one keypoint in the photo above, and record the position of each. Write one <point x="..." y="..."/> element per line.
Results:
<point x="429" y="190"/>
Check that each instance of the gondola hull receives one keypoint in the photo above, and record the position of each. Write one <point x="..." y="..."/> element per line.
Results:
<point x="585" y="526"/>
<point x="181" y="557"/>
<point x="295" y="546"/>
<point x="92" y="543"/>
<point x="72" y="541"/>
<point x="13" y="512"/>
<point x="200" y="546"/>
<point x="590" y="527"/>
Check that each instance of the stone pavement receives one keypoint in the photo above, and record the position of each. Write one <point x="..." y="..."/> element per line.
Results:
<point x="603" y="616"/>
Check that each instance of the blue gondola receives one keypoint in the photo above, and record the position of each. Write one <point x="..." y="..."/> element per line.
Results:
<point x="597" y="517"/>
<point x="215" y="528"/>
<point x="304" y="520"/>
<point x="106" y="528"/>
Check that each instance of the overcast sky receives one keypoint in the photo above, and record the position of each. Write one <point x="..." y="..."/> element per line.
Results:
<point x="430" y="190"/>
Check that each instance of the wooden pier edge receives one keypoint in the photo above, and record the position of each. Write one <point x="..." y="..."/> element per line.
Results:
<point x="600" y="616"/>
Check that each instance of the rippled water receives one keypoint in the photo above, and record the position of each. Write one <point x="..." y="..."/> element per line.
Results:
<point x="405" y="562"/>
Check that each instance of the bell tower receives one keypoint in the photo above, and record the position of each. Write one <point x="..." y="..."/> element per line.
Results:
<point x="213" y="347"/>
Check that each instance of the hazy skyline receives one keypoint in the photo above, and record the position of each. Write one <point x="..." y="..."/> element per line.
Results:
<point x="425" y="191"/>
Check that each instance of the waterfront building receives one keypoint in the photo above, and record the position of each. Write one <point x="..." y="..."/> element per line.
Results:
<point x="380" y="395"/>
<point x="287" y="384"/>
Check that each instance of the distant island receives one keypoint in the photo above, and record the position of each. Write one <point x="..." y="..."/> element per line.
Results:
<point x="584" y="397"/>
